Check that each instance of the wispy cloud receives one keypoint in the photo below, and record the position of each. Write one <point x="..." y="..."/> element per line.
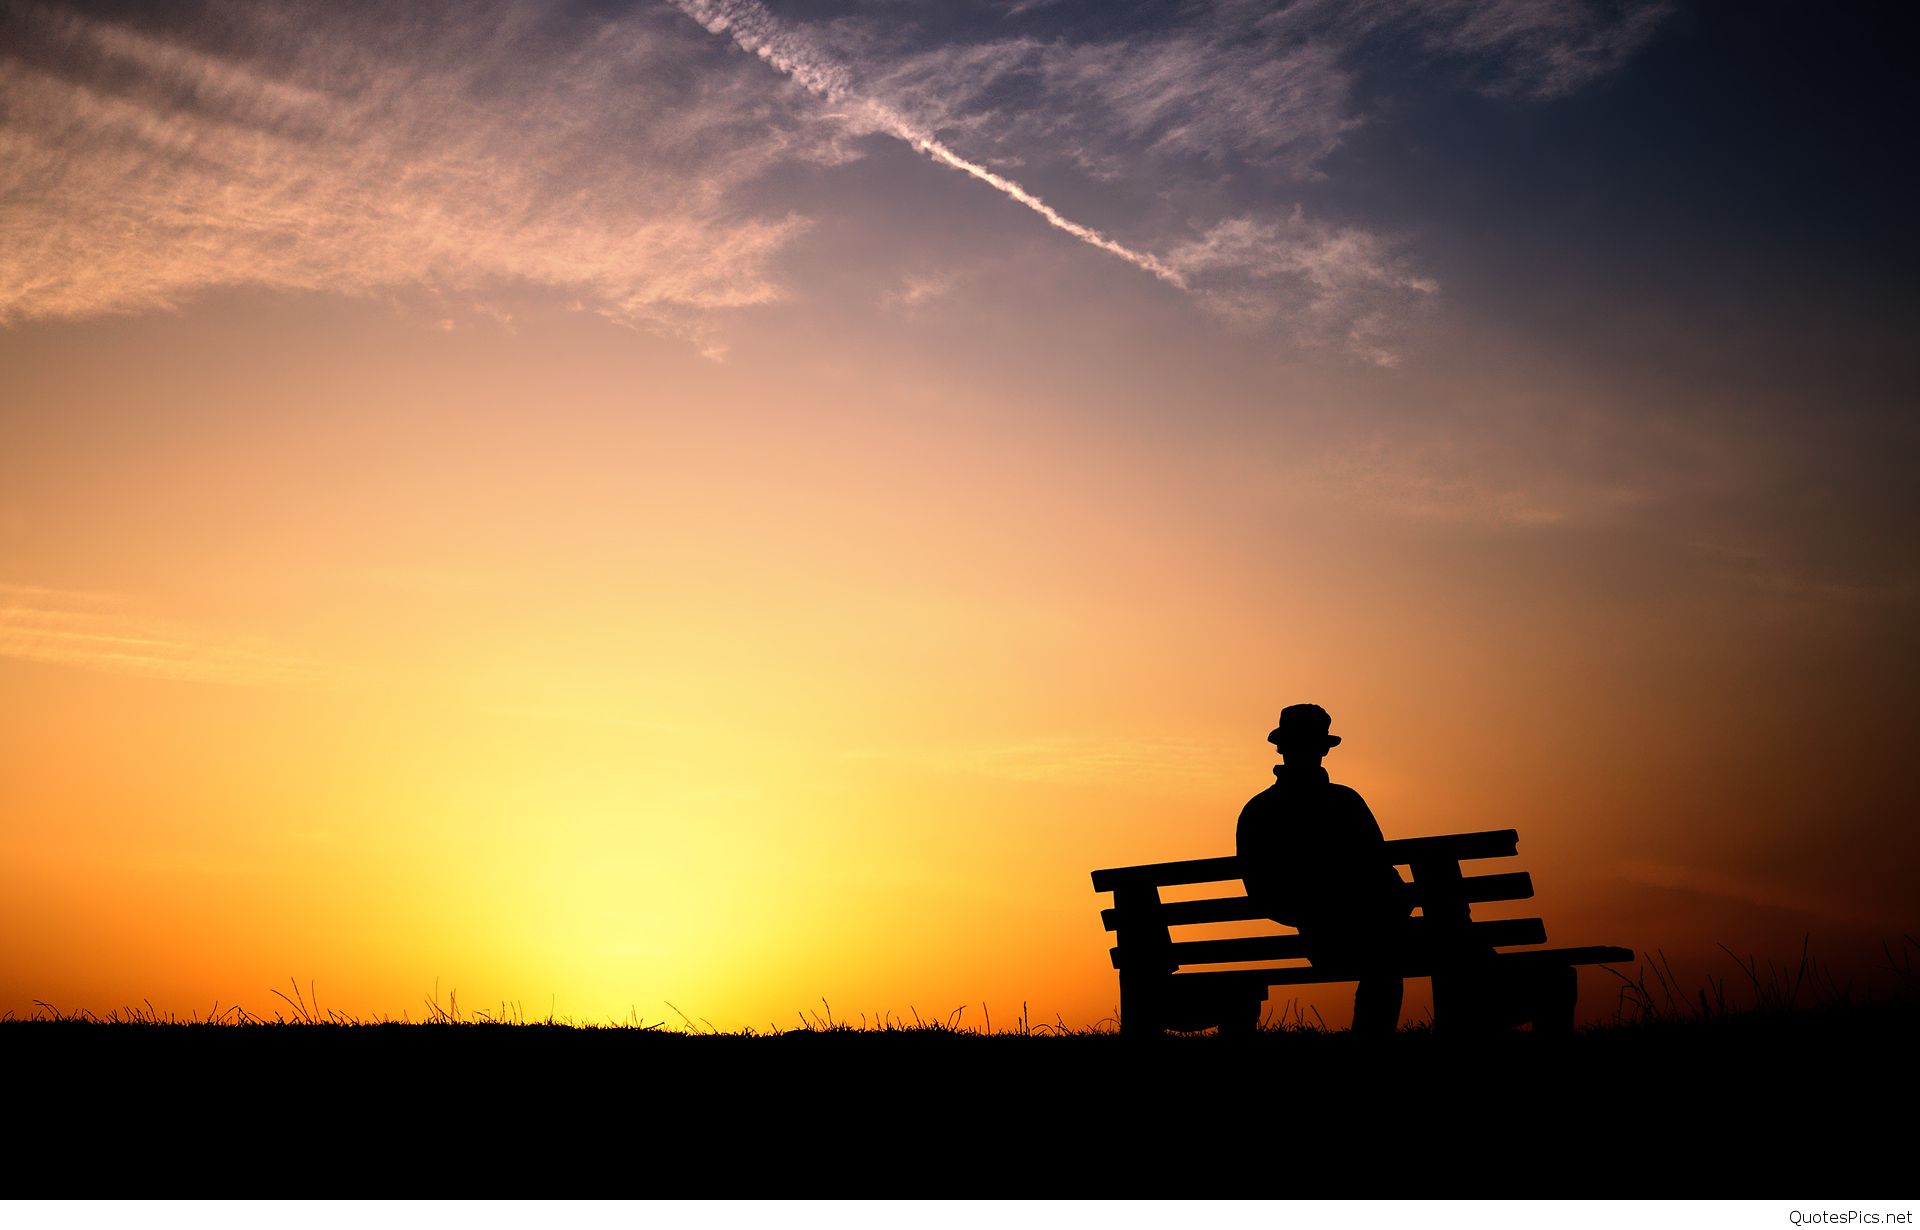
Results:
<point x="100" y="632"/>
<point x="458" y="149"/>
<point x="794" y="54"/>
<point x="917" y="290"/>
<point x="1333" y="282"/>
<point x="1130" y="107"/>
<point x="1193" y="128"/>
<point x="1530" y="48"/>
<point x="1234" y="82"/>
<point x="1766" y="894"/>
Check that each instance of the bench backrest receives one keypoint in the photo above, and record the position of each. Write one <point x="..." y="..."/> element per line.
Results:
<point x="1140" y="920"/>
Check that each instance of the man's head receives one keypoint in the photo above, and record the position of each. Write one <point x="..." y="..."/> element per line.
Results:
<point x="1302" y="734"/>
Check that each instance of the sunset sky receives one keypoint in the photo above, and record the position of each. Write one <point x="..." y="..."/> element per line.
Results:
<point x="596" y="505"/>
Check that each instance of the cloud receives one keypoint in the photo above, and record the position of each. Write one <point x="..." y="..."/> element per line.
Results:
<point x="794" y="54"/>
<point x="1331" y="282"/>
<point x="1114" y="108"/>
<point x="1230" y="84"/>
<point x="917" y="290"/>
<point x="1201" y="132"/>
<point x="97" y="632"/>
<point x="484" y="150"/>
<point x="457" y="149"/>
<point x="1758" y="893"/>
<point x="1181" y="94"/>
<point x="1531" y="48"/>
<point x="1443" y="483"/>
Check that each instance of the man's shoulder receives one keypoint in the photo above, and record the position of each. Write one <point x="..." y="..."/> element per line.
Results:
<point x="1261" y="801"/>
<point x="1352" y="811"/>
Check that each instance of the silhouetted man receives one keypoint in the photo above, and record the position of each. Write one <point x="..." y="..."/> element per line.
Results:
<point x="1313" y="857"/>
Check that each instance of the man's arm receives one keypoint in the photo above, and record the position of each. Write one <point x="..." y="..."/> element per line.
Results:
<point x="1256" y="842"/>
<point x="1371" y="847"/>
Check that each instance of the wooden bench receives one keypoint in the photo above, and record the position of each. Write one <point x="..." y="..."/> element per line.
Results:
<point x="1478" y="980"/>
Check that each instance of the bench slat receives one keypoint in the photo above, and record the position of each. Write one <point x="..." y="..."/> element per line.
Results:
<point x="1495" y="933"/>
<point x="1495" y="843"/>
<point x="1189" y="871"/>
<point x="1591" y="954"/>
<point x="1504" y="886"/>
<point x="1189" y="913"/>
<point x="1297" y="975"/>
<point x="1501" y="886"/>
<point x="1215" y="952"/>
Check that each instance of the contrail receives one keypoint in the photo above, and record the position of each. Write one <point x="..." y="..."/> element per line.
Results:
<point x="756" y="30"/>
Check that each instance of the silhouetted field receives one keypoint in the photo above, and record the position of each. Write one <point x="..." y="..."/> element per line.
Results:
<point x="1655" y="1108"/>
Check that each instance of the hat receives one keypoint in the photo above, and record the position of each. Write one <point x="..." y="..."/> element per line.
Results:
<point x="1303" y="723"/>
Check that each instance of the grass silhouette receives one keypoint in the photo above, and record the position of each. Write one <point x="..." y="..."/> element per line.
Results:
<point x="1778" y="1061"/>
<point x="1651" y="997"/>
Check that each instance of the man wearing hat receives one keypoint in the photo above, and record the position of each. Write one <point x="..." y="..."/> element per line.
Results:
<point x="1313" y="856"/>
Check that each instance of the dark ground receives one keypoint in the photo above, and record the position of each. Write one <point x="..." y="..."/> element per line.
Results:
<point x="1776" y="1106"/>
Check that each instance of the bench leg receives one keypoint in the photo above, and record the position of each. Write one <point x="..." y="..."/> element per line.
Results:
<point x="1142" y="1006"/>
